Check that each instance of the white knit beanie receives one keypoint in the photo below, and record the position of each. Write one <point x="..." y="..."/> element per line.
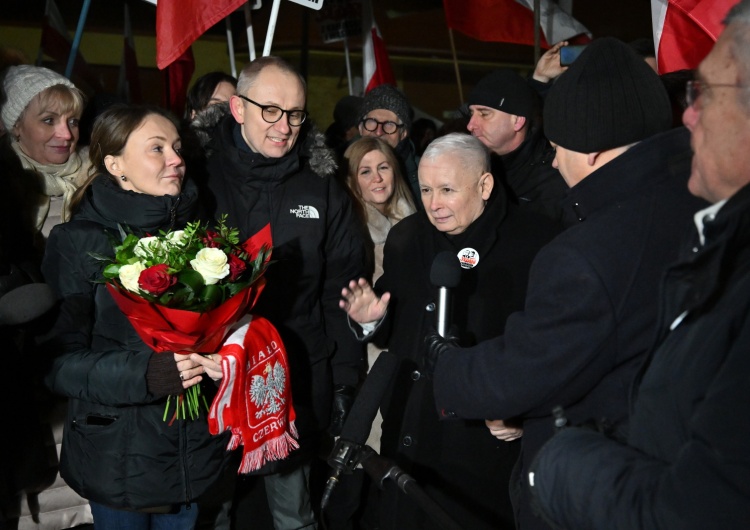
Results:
<point x="21" y="84"/>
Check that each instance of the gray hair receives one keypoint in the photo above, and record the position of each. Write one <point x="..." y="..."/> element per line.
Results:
<point x="738" y="18"/>
<point x="469" y="151"/>
<point x="250" y="72"/>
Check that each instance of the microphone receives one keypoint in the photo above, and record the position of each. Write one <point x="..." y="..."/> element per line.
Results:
<point x="346" y="452"/>
<point x="444" y="274"/>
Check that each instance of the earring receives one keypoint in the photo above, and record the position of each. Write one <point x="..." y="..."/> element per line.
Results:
<point x="124" y="178"/>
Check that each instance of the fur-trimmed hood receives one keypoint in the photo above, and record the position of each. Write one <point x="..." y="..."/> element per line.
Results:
<point x="311" y="141"/>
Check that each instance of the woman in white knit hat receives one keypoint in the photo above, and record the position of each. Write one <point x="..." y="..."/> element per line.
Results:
<point x="40" y="115"/>
<point x="41" y="168"/>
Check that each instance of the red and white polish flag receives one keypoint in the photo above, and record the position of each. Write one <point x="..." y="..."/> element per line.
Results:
<point x="686" y="30"/>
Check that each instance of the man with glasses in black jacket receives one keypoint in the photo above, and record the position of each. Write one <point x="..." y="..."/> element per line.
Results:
<point x="266" y="164"/>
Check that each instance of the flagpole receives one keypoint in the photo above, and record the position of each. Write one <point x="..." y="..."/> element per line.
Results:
<point x="348" y="66"/>
<point x="455" y="65"/>
<point x="250" y="36"/>
<point x="230" y="44"/>
<point x="271" y="27"/>
<point x="77" y="38"/>
<point x="537" y="30"/>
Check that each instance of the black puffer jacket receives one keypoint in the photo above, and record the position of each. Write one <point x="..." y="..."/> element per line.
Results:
<point x="117" y="449"/>
<point x="318" y="247"/>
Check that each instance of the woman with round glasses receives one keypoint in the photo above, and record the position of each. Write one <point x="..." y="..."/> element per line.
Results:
<point x="267" y="164"/>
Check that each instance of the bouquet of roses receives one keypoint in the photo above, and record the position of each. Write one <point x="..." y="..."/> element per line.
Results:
<point x="183" y="290"/>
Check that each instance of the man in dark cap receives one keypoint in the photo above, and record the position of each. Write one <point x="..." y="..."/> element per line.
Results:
<point x="591" y="302"/>
<point x="505" y="117"/>
<point x="386" y="113"/>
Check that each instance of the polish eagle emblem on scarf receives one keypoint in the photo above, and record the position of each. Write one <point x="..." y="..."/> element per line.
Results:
<point x="267" y="394"/>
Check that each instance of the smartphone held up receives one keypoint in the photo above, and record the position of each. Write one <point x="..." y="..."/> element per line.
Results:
<point x="568" y="54"/>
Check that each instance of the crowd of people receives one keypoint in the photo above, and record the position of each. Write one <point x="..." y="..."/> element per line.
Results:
<point x="577" y="361"/>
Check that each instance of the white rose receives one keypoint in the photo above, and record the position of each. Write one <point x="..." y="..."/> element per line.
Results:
<point x="129" y="275"/>
<point x="146" y="246"/>
<point x="212" y="264"/>
<point x="175" y="238"/>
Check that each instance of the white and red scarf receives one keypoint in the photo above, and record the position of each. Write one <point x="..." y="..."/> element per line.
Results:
<point x="255" y="398"/>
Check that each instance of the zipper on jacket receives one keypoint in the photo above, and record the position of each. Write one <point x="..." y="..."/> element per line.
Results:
<point x="173" y="213"/>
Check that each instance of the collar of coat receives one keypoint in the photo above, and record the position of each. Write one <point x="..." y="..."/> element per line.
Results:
<point x="646" y="164"/>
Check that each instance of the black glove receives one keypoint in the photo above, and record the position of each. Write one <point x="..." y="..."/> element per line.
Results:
<point x="343" y="397"/>
<point x="436" y="346"/>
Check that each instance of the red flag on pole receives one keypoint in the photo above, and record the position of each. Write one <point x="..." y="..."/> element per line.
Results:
<point x="686" y="30"/>
<point x="511" y="21"/>
<point x="180" y="22"/>
<point x="178" y="75"/>
<point x="376" y="64"/>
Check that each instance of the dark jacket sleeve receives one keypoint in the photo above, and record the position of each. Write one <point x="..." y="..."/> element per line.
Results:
<point x="345" y="261"/>
<point x="583" y="480"/>
<point x="111" y="375"/>
<point x="550" y="354"/>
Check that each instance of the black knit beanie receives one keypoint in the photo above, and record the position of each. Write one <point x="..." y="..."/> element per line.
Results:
<point x="504" y="90"/>
<point x="346" y="111"/>
<point x="609" y="97"/>
<point x="387" y="97"/>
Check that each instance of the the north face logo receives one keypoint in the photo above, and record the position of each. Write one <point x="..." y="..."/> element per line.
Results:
<point x="305" y="212"/>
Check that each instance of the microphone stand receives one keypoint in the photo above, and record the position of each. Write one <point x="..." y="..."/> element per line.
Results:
<point x="380" y="469"/>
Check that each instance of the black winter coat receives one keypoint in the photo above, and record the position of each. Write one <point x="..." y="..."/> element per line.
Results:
<point x="529" y="177"/>
<point x="686" y="461"/>
<point x="318" y="247"/>
<point x="591" y="307"/>
<point x="459" y="463"/>
<point x="117" y="449"/>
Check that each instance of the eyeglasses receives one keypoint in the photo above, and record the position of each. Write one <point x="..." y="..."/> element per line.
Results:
<point x="272" y="113"/>
<point x="695" y="88"/>
<point x="389" y="127"/>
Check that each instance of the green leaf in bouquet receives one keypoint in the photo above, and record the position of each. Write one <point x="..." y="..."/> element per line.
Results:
<point x="191" y="279"/>
<point x="111" y="271"/>
<point x="234" y="288"/>
<point x="211" y="296"/>
<point x="182" y="298"/>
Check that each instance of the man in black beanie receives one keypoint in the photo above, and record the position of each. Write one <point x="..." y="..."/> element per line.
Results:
<point x="591" y="303"/>
<point x="387" y="114"/>
<point x="504" y="113"/>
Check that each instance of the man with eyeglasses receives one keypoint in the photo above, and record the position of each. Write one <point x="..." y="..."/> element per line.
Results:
<point x="591" y="305"/>
<point x="267" y="164"/>
<point x="387" y="114"/>
<point x="685" y="463"/>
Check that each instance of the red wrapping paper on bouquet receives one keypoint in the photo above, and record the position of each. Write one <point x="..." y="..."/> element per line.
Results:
<point x="166" y="329"/>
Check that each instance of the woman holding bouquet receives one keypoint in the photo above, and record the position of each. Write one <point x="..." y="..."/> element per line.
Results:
<point x="138" y="471"/>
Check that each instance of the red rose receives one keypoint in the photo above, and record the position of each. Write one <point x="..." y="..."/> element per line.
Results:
<point x="210" y="239"/>
<point x="156" y="279"/>
<point x="237" y="267"/>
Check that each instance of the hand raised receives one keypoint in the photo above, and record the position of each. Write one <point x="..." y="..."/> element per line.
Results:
<point x="361" y="303"/>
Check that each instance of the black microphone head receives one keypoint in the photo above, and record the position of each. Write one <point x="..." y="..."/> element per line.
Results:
<point x="446" y="270"/>
<point x="365" y="407"/>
